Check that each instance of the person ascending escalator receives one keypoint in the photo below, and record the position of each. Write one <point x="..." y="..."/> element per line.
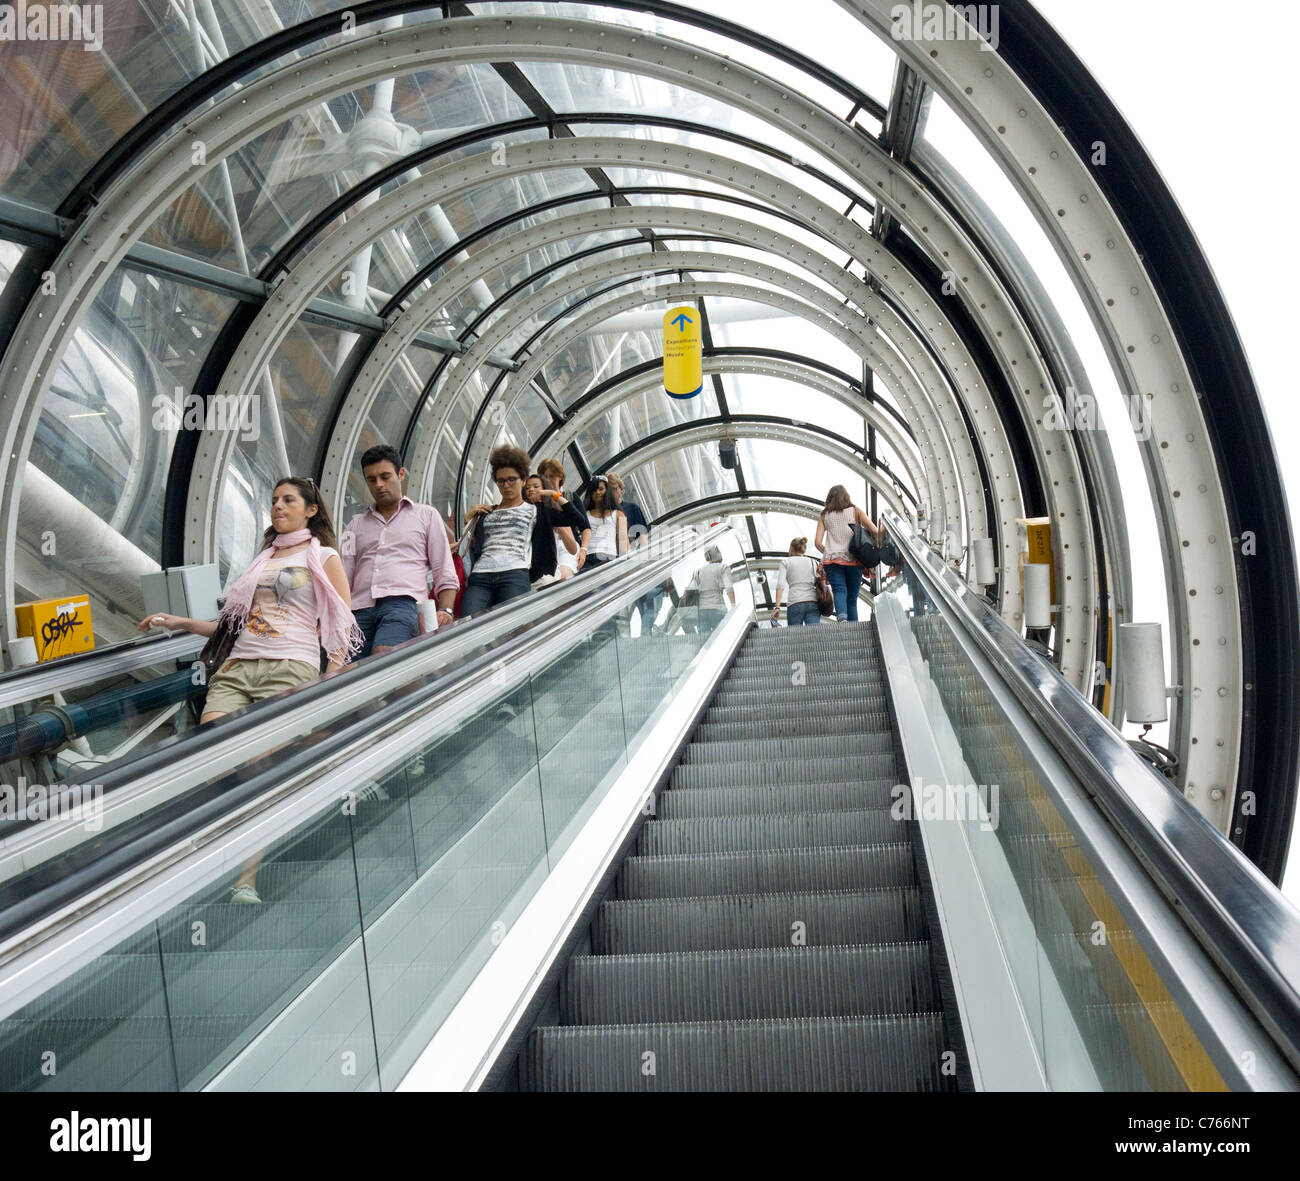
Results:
<point x="834" y="539"/>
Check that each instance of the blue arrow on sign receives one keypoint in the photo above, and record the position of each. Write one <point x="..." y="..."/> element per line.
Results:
<point x="681" y="321"/>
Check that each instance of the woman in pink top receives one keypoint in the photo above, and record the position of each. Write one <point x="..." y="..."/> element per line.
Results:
<point x="834" y="532"/>
<point x="291" y="601"/>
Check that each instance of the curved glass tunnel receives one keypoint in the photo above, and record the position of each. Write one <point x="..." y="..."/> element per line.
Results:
<point x="247" y="239"/>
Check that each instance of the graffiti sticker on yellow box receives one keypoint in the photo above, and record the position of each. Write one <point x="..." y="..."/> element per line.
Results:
<point x="60" y="627"/>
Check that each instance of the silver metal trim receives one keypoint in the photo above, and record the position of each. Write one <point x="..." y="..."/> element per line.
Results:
<point x="998" y="1032"/>
<point x="1108" y="272"/>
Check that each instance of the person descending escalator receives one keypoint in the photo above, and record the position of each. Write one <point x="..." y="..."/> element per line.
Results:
<point x="834" y="538"/>
<point x="638" y="534"/>
<point x="571" y="546"/>
<point x="563" y="536"/>
<point x="512" y="543"/>
<point x="292" y="601"/>
<point x="458" y="563"/>
<point x="388" y="553"/>
<point x="608" y="524"/>
<point x="712" y="585"/>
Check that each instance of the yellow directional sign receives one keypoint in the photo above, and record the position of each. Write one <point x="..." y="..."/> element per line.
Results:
<point x="683" y="355"/>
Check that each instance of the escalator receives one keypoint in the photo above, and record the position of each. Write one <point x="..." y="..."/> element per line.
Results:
<point x="770" y="930"/>
<point x="230" y="968"/>
<point x="559" y="849"/>
<point x="380" y="892"/>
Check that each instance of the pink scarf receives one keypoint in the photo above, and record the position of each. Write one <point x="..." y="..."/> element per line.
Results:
<point x="340" y="635"/>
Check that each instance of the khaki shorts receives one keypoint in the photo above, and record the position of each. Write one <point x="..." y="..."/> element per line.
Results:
<point x="241" y="682"/>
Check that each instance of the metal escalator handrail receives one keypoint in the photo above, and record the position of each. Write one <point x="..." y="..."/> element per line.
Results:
<point x="166" y="768"/>
<point x="1238" y="916"/>
<point x="21" y="685"/>
<point x="37" y="907"/>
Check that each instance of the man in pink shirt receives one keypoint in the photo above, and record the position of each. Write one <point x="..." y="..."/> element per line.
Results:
<point x="388" y="552"/>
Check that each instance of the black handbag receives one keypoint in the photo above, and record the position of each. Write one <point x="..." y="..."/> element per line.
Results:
<point x="862" y="547"/>
<point x="216" y="651"/>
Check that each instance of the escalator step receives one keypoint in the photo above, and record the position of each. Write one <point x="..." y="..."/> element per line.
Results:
<point x="768" y="798"/>
<point x="837" y="712"/>
<point x="228" y="926"/>
<point x="116" y="1054"/>
<point x="116" y="984"/>
<point x="801" y="679"/>
<point x="790" y="830"/>
<point x="748" y="983"/>
<point x="768" y="640"/>
<point x="810" y="1054"/>
<point x="781" y="699"/>
<point x="791" y="748"/>
<point x="815" y="663"/>
<point x="632" y="926"/>
<point x="858" y="721"/>
<point x="816" y="770"/>
<point x="236" y="983"/>
<point x="694" y="875"/>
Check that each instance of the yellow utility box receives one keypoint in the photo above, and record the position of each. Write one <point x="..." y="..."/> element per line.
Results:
<point x="60" y="627"/>
<point x="1036" y="546"/>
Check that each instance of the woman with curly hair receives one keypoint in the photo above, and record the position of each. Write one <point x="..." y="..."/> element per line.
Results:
<point x="513" y="544"/>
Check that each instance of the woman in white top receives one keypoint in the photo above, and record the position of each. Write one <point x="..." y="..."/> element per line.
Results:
<point x="714" y="587"/>
<point x="608" y="526"/>
<point x="513" y="544"/>
<point x="799" y="577"/>
<point x="834" y="532"/>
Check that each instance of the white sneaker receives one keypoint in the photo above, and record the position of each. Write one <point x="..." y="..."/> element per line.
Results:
<point x="245" y="894"/>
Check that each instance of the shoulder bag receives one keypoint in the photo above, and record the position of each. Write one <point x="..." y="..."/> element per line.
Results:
<point x="822" y="589"/>
<point x="216" y="651"/>
<point x="863" y="548"/>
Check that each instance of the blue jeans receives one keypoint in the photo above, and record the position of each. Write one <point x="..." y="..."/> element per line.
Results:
<point x="648" y="608"/>
<point x="845" y="582"/>
<point x="392" y="620"/>
<point x="490" y="589"/>
<point x="802" y="614"/>
<point x="709" y="617"/>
